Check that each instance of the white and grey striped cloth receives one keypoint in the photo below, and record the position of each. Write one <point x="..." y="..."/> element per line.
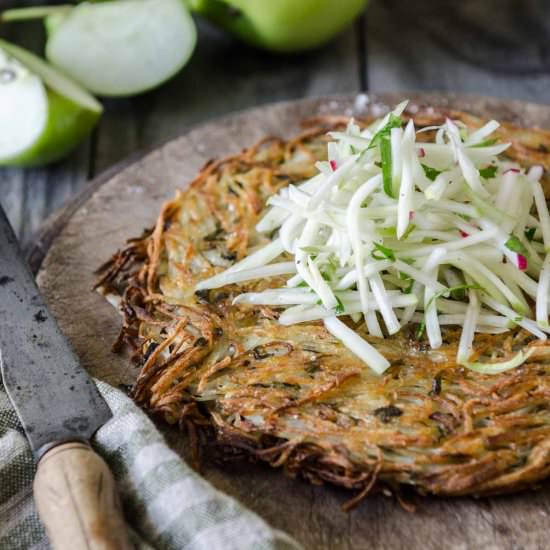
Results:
<point x="168" y="506"/>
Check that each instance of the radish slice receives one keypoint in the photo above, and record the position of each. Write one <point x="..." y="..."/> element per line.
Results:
<point x="122" y="48"/>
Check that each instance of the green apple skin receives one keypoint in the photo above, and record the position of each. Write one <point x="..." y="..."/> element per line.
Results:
<point x="281" y="25"/>
<point x="67" y="125"/>
<point x="68" y="121"/>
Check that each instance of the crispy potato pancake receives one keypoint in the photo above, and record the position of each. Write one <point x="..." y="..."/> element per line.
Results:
<point x="295" y="397"/>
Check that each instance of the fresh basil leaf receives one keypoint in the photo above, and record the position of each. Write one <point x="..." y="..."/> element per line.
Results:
<point x="431" y="173"/>
<point x="409" y="230"/>
<point x="382" y="138"/>
<point x="488" y="172"/>
<point x="458" y="294"/>
<point x="530" y="233"/>
<point x="515" y="245"/>
<point x="393" y="122"/>
<point x="385" y="154"/>
<point x="385" y="253"/>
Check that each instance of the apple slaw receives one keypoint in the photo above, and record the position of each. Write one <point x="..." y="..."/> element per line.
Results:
<point x="393" y="230"/>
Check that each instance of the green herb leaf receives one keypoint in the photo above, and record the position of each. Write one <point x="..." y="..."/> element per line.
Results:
<point x="530" y="233"/>
<point x="515" y="245"/>
<point x="382" y="253"/>
<point x="385" y="153"/>
<point x="485" y="143"/>
<point x="382" y="139"/>
<point x="458" y="294"/>
<point x="393" y="122"/>
<point x="488" y="172"/>
<point x="431" y="173"/>
<point x="340" y="306"/>
<point x="409" y="230"/>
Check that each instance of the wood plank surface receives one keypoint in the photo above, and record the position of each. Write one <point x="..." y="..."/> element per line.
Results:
<point x="128" y="201"/>
<point x="491" y="47"/>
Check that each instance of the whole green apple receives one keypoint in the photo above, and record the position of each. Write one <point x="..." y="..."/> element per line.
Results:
<point x="281" y="25"/>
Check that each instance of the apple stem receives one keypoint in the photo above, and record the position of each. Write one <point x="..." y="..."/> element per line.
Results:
<point x="34" y="12"/>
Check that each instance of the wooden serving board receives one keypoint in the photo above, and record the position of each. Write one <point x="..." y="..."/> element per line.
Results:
<point x="122" y="202"/>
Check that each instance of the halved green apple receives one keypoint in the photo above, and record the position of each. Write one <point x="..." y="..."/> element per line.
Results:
<point x="121" y="48"/>
<point x="281" y="25"/>
<point x="43" y="114"/>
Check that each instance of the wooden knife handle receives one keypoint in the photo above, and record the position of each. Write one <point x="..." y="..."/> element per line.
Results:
<point x="76" y="497"/>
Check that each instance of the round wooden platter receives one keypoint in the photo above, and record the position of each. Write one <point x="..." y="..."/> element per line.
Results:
<point x="119" y="204"/>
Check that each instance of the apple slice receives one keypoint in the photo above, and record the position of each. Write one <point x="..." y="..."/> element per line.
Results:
<point x="121" y="48"/>
<point x="43" y="114"/>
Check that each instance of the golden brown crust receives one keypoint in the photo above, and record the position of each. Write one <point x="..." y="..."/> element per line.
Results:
<point x="294" y="396"/>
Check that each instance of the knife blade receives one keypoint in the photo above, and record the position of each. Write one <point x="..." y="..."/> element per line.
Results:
<point x="60" y="409"/>
<point x="53" y="395"/>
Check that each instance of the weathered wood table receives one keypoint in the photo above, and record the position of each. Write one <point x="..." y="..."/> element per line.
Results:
<point x="493" y="47"/>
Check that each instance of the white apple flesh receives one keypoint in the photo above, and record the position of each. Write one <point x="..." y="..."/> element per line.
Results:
<point x="43" y="114"/>
<point x="23" y="107"/>
<point x="121" y="48"/>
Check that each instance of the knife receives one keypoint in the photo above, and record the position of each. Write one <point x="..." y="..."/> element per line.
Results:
<point x="60" y="409"/>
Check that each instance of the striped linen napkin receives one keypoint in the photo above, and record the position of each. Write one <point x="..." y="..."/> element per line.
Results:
<point x="168" y="506"/>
